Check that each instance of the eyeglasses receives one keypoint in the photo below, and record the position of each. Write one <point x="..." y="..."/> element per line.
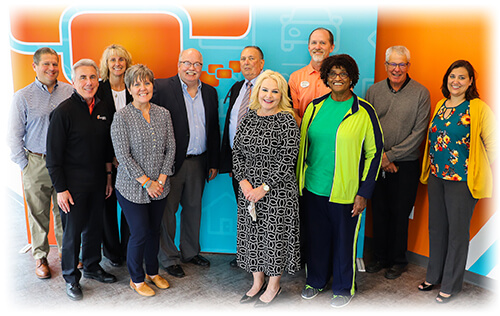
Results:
<point x="392" y="66"/>
<point x="189" y="64"/>
<point x="342" y="75"/>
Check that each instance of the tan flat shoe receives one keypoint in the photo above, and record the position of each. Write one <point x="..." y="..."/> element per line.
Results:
<point x="142" y="289"/>
<point x="160" y="282"/>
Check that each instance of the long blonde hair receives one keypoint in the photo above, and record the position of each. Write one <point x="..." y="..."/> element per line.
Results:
<point x="284" y="104"/>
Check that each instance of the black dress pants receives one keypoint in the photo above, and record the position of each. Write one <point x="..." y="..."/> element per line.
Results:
<point x="82" y="225"/>
<point x="114" y="238"/>
<point x="392" y="201"/>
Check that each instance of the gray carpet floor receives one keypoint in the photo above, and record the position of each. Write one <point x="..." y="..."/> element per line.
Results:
<point x="216" y="289"/>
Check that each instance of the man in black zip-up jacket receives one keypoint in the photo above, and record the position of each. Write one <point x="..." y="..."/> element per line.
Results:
<point x="79" y="154"/>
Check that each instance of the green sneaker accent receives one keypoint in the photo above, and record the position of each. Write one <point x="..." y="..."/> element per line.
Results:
<point x="309" y="292"/>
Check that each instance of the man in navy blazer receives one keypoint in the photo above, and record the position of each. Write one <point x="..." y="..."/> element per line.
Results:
<point x="193" y="106"/>
<point x="251" y="65"/>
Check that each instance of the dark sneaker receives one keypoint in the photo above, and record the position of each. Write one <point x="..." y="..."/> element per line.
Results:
<point x="376" y="266"/>
<point x="100" y="275"/>
<point x="395" y="271"/>
<point x="340" y="300"/>
<point x="309" y="292"/>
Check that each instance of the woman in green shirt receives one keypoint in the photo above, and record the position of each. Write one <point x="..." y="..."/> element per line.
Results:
<point x="339" y="159"/>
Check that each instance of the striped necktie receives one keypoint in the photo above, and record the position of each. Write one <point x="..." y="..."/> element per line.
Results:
<point x="244" y="103"/>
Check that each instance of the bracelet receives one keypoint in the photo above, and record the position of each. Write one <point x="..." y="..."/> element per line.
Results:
<point x="109" y="172"/>
<point x="144" y="183"/>
<point x="148" y="184"/>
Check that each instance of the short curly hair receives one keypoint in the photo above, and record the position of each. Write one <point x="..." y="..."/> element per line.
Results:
<point x="340" y="61"/>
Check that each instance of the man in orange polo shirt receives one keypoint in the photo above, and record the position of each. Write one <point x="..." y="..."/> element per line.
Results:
<point x="305" y="84"/>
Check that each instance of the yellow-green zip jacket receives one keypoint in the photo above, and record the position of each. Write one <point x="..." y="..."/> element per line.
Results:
<point x="358" y="151"/>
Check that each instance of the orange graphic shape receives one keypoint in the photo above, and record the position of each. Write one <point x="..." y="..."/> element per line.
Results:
<point x="219" y="20"/>
<point x="152" y="39"/>
<point x="213" y="67"/>
<point x="224" y="73"/>
<point x="235" y="65"/>
<point x="36" y="24"/>
<point x="209" y="79"/>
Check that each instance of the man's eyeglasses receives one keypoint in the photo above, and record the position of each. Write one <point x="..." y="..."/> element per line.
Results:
<point x="401" y="66"/>
<point x="188" y="64"/>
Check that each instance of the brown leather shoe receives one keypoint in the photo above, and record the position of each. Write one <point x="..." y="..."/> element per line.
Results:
<point x="160" y="282"/>
<point x="143" y="289"/>
<point x="42" y="270"/>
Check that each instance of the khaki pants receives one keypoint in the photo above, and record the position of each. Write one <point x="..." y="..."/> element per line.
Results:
<point x="38" y="191"/>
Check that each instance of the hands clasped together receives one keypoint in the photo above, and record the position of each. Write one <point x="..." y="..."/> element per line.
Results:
<point x="252" y="194"/>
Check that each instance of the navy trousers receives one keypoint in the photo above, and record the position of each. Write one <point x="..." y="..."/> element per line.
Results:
<point x="331" y="233"/>
<point x="144" y="222"/>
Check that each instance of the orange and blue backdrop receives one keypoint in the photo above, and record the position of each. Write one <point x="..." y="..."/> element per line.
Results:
<point x="156" y="34"/>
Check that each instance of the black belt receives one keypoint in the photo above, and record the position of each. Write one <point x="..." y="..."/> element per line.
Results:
<point x="194" y="156"/>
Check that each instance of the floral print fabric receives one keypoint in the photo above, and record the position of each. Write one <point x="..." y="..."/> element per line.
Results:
<point x="449" y="142"/>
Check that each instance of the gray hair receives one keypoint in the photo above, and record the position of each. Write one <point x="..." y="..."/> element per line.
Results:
<point x="190" y="49"/>
<point x="138" y="72"/>
<point x="83" y="62"/>
<point x="400" y="50"/>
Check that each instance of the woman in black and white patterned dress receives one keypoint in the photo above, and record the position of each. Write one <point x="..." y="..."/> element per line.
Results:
<point x="264" y="155"/>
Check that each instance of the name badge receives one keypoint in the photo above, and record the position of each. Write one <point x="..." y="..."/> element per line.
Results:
<point x="101" y="117"/>
<point x="304" y="84"/>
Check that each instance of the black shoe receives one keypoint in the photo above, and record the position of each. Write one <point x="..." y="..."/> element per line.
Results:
<point x="260" y="303"/>
<point x="233" y="263"/>
<point x="395" y="271"/>
<point x="100" y="275"/>
<point x="425" y="287"/>
<point x="175" y="270"/>
<point x="199" y="261"/>
<point x="116" y="263"/>
<point x="376" y="266"/>
<point x="248" y="299"/>
<point x="74" y="291"/>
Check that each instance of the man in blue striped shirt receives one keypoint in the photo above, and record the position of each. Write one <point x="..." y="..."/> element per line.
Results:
<point x="29" y="121"/>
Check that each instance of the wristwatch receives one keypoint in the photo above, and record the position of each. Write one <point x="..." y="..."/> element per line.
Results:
<point x="161" y="183"/>
<point x="265" y="187"/>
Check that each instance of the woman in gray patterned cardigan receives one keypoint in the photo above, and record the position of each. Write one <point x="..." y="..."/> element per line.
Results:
<point x="144" y="144"/>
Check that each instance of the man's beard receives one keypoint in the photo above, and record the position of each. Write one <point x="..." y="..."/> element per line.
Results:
<point x="317" y="58"/>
